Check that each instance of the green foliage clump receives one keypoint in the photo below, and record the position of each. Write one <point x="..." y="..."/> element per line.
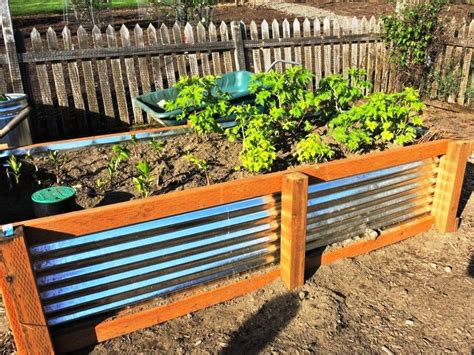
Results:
<point x="382" y="119"/>
<point x="413" y="37"/>
<point x="14" y="168"/>
<point x="144" y="180"/>
<point x="201" y="102"/>
<point x="313" y="149"/>
<point x="336" y="94"/>
<point x="199" y="164"/>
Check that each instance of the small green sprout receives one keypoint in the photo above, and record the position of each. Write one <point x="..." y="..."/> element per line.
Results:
<point x="199" y="164"/>
<point x="144" y="180"/>
<point x="14" y="166"/>
<point x="120" y="153"/>
<point x="29" y="158"/>
<point x="157" y="146"/>
<point x="55" y="157"/>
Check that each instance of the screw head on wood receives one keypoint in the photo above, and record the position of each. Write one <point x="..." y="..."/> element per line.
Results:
<point x="9" y="279"/>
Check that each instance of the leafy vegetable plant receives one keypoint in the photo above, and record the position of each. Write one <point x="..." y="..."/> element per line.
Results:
<point x="312" y="149"/>
<point x="157" y="146"/>
<point x="383" y="118"/>
<point x="14" y="166"/>
<point x="201" y="102"/>
<point x="199" y="164"/>
<point x="57" y="159"/>
<point x="121" y="153"/>
<point x="144" y="180"/>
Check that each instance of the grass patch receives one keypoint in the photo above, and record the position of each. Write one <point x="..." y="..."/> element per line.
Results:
<point x="33" y="7"/>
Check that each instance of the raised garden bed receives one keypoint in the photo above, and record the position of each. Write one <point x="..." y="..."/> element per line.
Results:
<point x="268" y="221"/>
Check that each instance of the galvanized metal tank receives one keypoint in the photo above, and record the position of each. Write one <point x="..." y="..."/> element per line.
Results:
<point x="21" y="134"/>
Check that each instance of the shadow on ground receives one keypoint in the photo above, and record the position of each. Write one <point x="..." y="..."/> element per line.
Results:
<point x="263" y="327"/>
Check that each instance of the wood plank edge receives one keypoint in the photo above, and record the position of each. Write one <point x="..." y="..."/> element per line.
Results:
<point x="132" y="322"/>
<point x="388" y="237"/>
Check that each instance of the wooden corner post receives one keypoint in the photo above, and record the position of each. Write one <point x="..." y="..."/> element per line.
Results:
<point x="449" y="185"/>
<point x="294" y="200"/>
<point x="21" y="298"/>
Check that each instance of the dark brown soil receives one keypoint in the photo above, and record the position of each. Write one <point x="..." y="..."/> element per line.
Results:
<point x="83" y="168"/>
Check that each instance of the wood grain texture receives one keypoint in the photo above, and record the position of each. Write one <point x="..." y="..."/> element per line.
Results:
<point x="130" y="323"/>
<point x="294" y="201"/>
<point x="449" y="184"/>
<point x="21" y="298"/>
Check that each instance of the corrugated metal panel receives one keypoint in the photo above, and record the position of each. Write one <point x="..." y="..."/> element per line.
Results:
<point x="91" y="274"/>
<point x="344" y="208"/>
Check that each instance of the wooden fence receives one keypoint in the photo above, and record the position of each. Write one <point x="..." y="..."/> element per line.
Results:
<point x="84" y="82"/>
<point x="72" y="280"/>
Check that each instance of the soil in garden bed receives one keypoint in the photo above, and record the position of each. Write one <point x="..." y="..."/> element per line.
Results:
<point x="83" y="168"/>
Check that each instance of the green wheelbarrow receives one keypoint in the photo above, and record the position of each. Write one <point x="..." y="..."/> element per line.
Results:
<point x="234" y="83"/>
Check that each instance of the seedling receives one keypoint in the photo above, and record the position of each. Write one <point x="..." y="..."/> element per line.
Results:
<point x="134" y="143"/>
<point x="14" y="166"/>
<point x="144" y="180"/>
<point x="199" y="164"/>
<point x="121" y="153"/>
<point x="55" y="157"/>
<point x="29" y="158"/>
<point x="157" y="146"/>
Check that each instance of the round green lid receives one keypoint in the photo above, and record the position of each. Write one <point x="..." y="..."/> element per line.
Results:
<point x="53" y="194"/>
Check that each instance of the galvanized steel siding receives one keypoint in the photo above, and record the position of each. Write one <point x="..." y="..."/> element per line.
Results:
<point x="95" y="273"/>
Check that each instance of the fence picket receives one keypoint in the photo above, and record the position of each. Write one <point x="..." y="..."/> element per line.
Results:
<point x="308" y="57"/>
<point x="336" y="47"/>
<point x="318" y="70"/>
<point x="118" y="78"/>
<point x="378" y="61"/>
<point x="227" y="54"/>
<point x="89" y="80"/>
<point x="297" y="34"/>
<point x="131" y="75"/>
<point x="60" y="85"/>
<point x="201" y="38"/>
<point x="355" y="45"/>
<point x="346" y="57"/>
<point x="75" y="80"/>
<point x="385" y="63"/>
<point x="142" y="61"/>
<point x="277" y="50"/>
<point x="43" y="80"/>
<point x="457" y="60"/>
<point x="364" y="27"/>
<point x="193" y="64"/>
<point x="371" y="49"/>
<point x="287" y="35"/>
<point x="155" y="59"/>
<point x="168" y="59"/>
<point x="257" y="66"/>
<point x="216" y="56"/>
<point x="180" y="58"/>
<point x="103" y="72"/>
<point x="327" y="48"/>
<point x="267" y="54"/>
<point x="466" y="68"/>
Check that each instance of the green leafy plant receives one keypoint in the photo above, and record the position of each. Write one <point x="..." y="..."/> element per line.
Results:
<point x="336" y="94"/>
<point x="201" y="102"/>
<point x="157" y="146"/>
<point x="382" y="119"/>
<point x="199" y="164"/>
<point x="413" y="37"/>
<point x="58" y="160"/>
<point x="144" y="180"/>
<point x="312" y="149"/>
<point x="29" y="158"/>
<point x="121" y="153"/>
<point x="14" y="167"/>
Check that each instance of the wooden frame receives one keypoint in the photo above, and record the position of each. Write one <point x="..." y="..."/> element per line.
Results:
<point x="23" y="303"/>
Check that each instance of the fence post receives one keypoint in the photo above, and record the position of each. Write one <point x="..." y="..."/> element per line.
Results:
<point x="21" y="297"/>
<point x="238" y="39"/>
<point x="449" y="184"/>
<point x="10" y="48"/>
<point x="294" y="199"/>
